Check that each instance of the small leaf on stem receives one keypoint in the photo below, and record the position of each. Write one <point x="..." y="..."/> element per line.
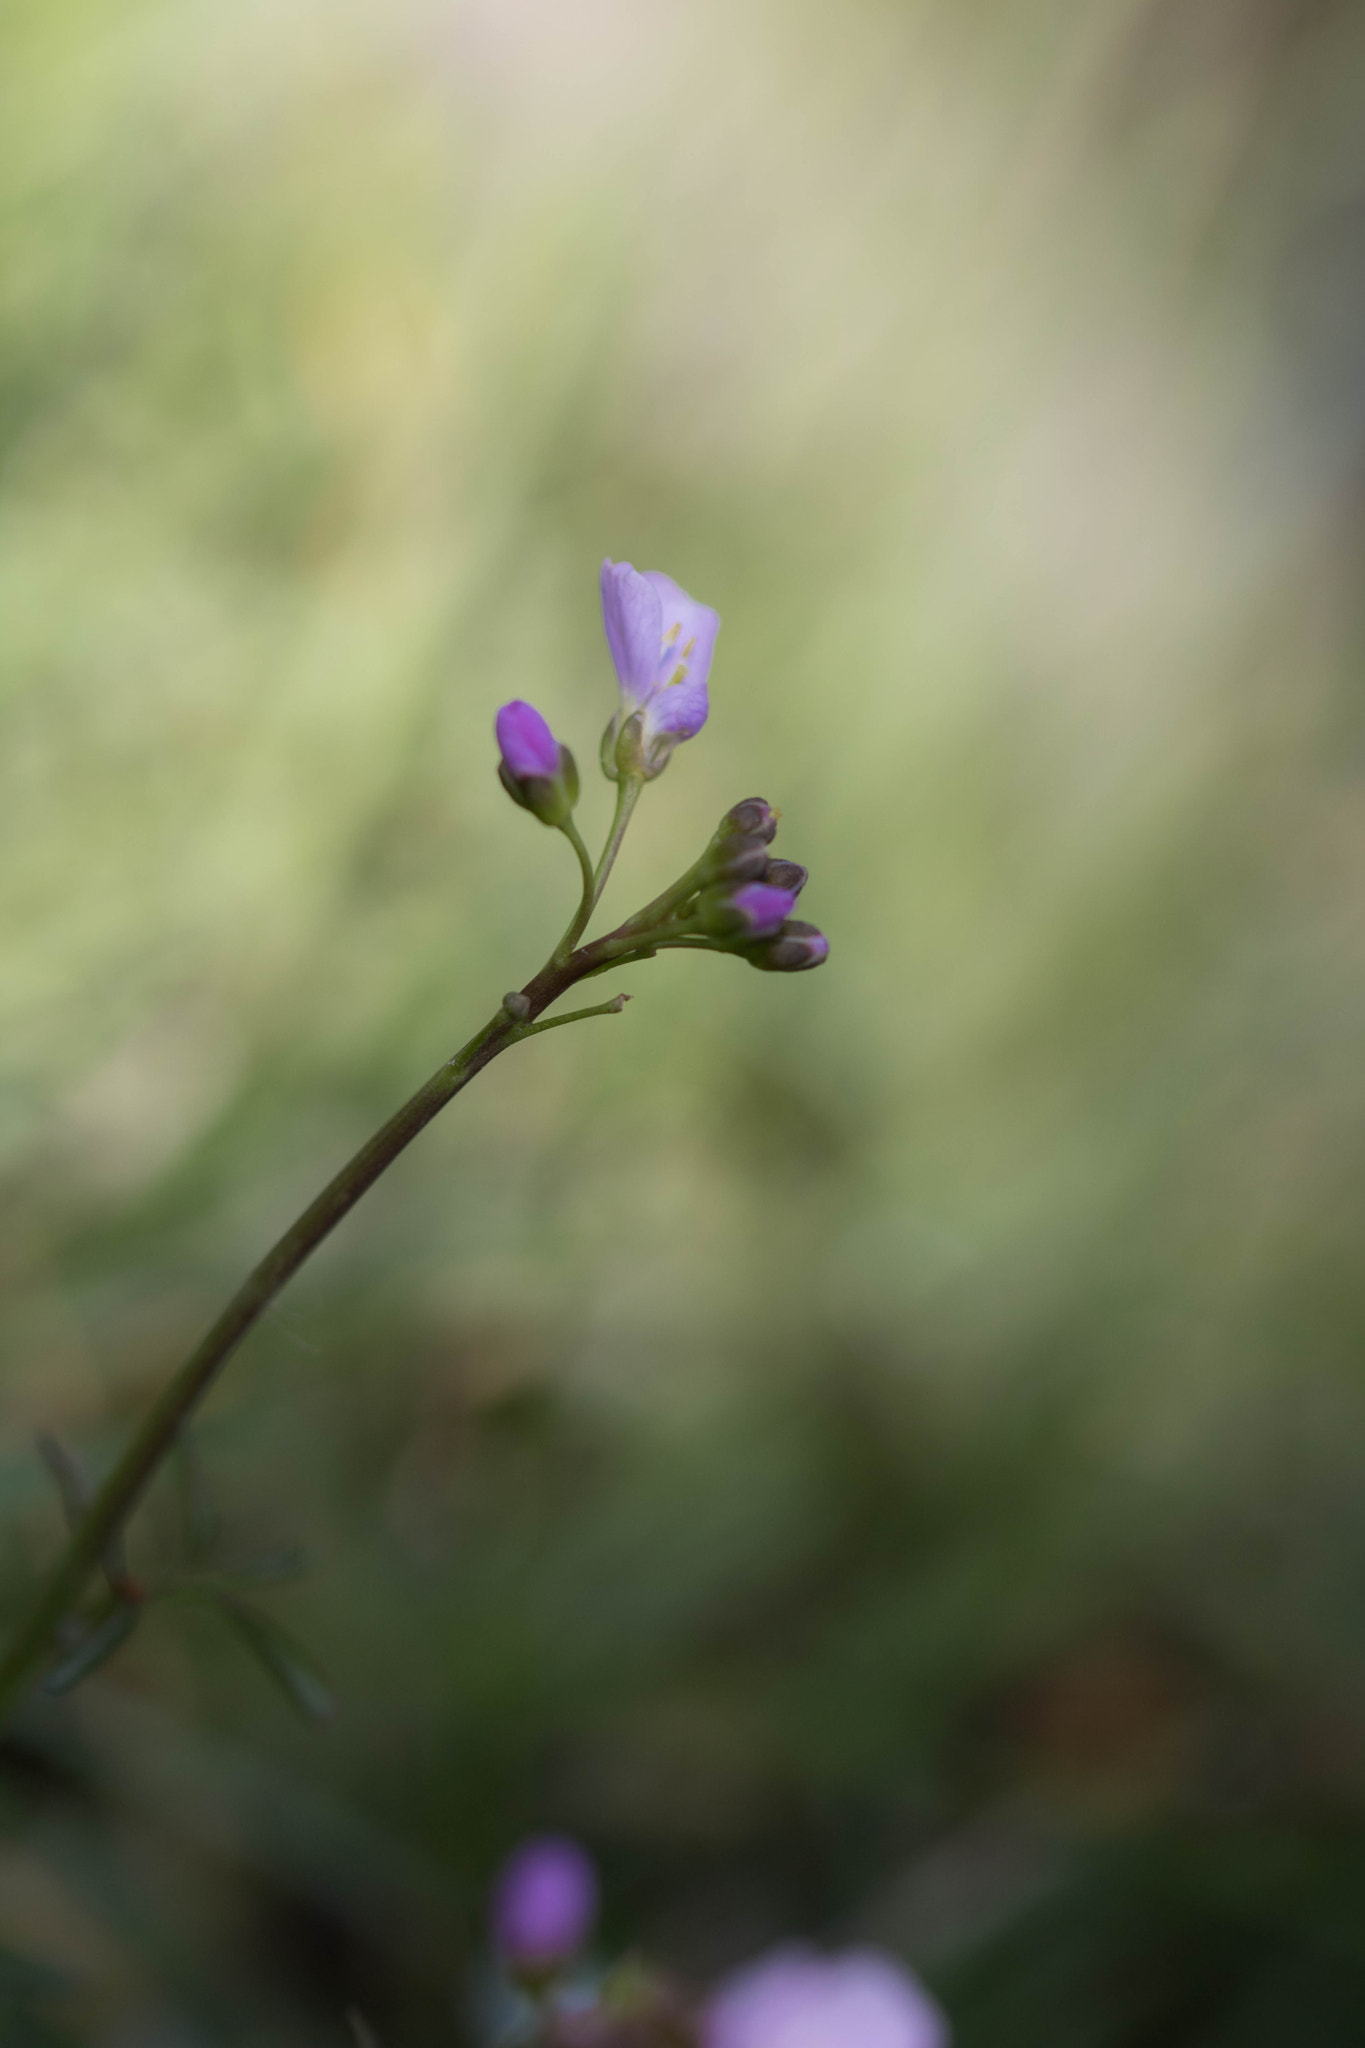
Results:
<point x="93" y="1650"/>
<point x="198" y="1509"/>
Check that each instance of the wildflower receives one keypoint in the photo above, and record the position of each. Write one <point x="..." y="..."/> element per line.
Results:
<point x="535" y="770"/>
<point x="661" y="643"/>
<point x="794" y="1998"/>
<point x="544" y="1904"/>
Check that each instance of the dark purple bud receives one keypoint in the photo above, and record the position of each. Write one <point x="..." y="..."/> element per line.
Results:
<point x="796" y="946"/>
<point x="786" y="874"/>
<point x="544" y="1904"/>
<point x="754" y="818"/>
<point x="535" y="770"/>
<point x="740" y="858"/>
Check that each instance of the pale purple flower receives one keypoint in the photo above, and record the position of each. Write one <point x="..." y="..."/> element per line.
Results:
<point x="795" y="1998"/>
<point x="763" y="908"/>
<point x="544" y="1903"/>
<point x="528" y="746"/>
<point x="661" y="643"/>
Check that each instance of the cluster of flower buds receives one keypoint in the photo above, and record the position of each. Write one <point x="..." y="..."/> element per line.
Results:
<point x="747" y="899"/>
<point x="544" y="1910"/>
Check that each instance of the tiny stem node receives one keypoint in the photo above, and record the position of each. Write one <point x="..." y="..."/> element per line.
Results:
<point x="611" y="1009"/>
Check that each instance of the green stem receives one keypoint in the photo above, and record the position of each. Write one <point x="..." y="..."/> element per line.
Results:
<point x="162" y="1428"/>
<point x="159" y="1432"/>
<point x="627" y="795"/>
<point x="663" y="906"/>
<point x="578" y="923"/>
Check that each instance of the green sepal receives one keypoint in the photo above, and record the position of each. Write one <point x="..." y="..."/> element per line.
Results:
<point x="568" y="775"/>
<point x="625" y="757"/>
<point x="550" y="798"/>
<point x="623" y="753"/>
<point x="743" y="857"/>
<point x="715" y="912"/>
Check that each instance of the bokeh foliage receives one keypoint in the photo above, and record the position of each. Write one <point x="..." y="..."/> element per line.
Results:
<point x="878" y="1454"/>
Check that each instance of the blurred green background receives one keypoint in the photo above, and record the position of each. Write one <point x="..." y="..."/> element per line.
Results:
<point x="880" y="1454"/>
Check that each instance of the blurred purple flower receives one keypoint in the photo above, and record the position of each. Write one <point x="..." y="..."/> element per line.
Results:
<point x="544" y="1902"/>
<point x="661" y="643"/>
<point x="528" y="746"/>
<point x="794" y="1998"/>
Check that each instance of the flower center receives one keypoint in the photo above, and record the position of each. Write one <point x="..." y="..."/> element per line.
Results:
<point x="667" y="654"/>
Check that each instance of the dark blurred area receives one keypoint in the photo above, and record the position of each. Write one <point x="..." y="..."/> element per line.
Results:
<point x="878" y="1455"/>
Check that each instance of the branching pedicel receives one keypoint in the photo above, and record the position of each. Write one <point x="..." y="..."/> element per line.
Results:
<point x="734" y="899"/>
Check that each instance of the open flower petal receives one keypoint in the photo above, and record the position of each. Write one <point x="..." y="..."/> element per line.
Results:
<point x="633" y="617"/>
<point x="679" y="703"/>
<point x="661" y="642"/>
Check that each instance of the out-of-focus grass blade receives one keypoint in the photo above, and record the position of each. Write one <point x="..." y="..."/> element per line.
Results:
<point x="293" y="1671"/>
<point x="198" y="1508"/>
<point x="68" y="1476"/>
<point x="362" y="2033"/>
<point x="271" y="1568"/>
<point x="25" y="1985"/>
<point x="94" y="1650"/>
<point x="73" y="1484"/>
